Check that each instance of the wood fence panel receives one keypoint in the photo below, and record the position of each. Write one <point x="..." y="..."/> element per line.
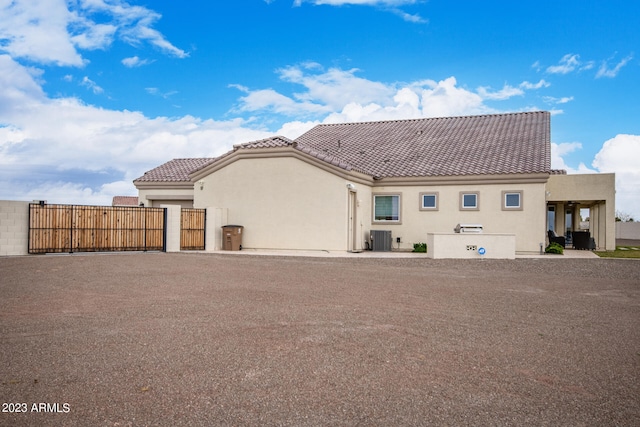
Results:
<point x="154" y="229"/>
<point x="73" y="228"/>
<point x="47" y="228"/>
<point x="192" y="229"/>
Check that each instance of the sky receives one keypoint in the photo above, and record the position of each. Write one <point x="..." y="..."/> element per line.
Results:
<point x="93" y="93"/>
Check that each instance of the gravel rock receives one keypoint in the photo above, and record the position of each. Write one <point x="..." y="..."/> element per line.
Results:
<point x="200" y="339"/>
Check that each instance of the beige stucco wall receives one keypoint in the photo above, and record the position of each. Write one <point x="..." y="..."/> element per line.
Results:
<point x="467" y="246"/>
<point x="173" y="227"/>
<point x="528" y="224"/>
<point x="14" y="227"/>
<point x="283" y="203"/>
<point x="593" y="191"/>
<point x="598" y="186"/>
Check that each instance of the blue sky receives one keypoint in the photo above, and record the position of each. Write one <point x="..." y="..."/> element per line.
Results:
<point x="95" y="92"/>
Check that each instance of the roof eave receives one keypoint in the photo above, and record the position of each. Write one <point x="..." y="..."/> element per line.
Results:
<point x="165" y="185"/>
<point x="511" y="178"/>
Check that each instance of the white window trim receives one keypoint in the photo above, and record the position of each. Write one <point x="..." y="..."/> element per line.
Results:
<point x="429" y="208"/>
<point x="388" y="221"/>
<point x="473" y="208"/>
<point x="512" y="208"/>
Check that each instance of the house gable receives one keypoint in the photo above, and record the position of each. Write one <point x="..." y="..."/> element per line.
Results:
<point x="280" y="147"/>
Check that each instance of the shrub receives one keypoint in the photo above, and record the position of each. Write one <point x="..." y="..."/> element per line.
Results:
<point x="420" y="247"/>
<point x="554" y="248"/>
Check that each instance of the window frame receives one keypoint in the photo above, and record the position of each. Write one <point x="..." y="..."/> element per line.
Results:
<point x="436" y="196"/>
<point x="520" y="206"/>
<point x="472" y="208"/>
<point x="386" y="221"/>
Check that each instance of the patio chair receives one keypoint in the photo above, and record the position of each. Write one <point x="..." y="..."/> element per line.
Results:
<point x="554" y="238"/>
<point x="582" y="240"/>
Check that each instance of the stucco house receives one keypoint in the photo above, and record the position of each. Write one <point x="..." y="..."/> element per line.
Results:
<point x="330" y="187"/>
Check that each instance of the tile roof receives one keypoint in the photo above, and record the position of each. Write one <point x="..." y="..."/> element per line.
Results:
<point x="176" y="170"/>
<point x="272" y="142"/>
<point x="124" y="201"/>
<point x="471" y="145"/>
<point x="517" y="143"/>
<point x="281" y="141"/>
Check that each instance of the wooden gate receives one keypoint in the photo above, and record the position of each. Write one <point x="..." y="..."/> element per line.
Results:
<point x="192" y="229"/>
<point x="74" y="228"/>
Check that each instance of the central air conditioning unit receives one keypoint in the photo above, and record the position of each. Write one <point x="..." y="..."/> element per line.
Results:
<point x="380" y="240"/>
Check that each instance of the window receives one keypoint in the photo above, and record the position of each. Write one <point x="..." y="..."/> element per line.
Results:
<point x="512" y="200"/>
<point x="469" y="201"/>
<point x="551" y="218"/>
<point x="386" y="207"/>
<point x="429" y="201"/>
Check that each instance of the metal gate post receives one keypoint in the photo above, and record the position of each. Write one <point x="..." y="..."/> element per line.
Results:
<point x="30" y="228"/>
<point x="164" y="230"/>
<point x="204" y="232"/>
<point x="71" y="232"/>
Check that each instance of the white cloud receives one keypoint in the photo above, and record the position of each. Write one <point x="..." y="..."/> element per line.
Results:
<point x="323" y="92"/>
<point x="38" y="31"/>
<point x="505" y="93"/>
<point x="620" y="155"/>
<point x="135" y="24"/>
<point x="554" y="100"/>
<point x="558" y="151"/>
<point x="571" y="62"/>
<point x="605" y="71"/>
<point x="96" y="36"/>
<point x="92" y="149"/>
<point x="52" y="32"/>
<point x="294" y="129"/>
<point x="529" y="86"/>
<point x="358" y="2"/>
<point x="135" y="61"/>
<point x="567" y="64"/>
<point x="90" y="84"/>
<point x="388" y="5"/>
<point x="508" y="91"/>
<point x="272" y="101"/>
<point x="20" y="88"/>
<point x="406" y="106"/>
<point x="341" y="96"/>
<point x="587" y="65"/>
<point x="334" y="87"/>
<point x="444" y="98"/>
<point x="409" y="17"/>
<point x="156" y="92"/>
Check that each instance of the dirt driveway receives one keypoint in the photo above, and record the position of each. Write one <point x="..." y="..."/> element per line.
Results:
<point x="202" y="340"/>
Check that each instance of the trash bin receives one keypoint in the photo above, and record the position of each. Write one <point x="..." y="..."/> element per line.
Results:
<point x="232" y="237"/>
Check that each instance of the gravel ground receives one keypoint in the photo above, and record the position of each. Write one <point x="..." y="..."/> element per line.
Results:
<point x="201" y="340"/>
